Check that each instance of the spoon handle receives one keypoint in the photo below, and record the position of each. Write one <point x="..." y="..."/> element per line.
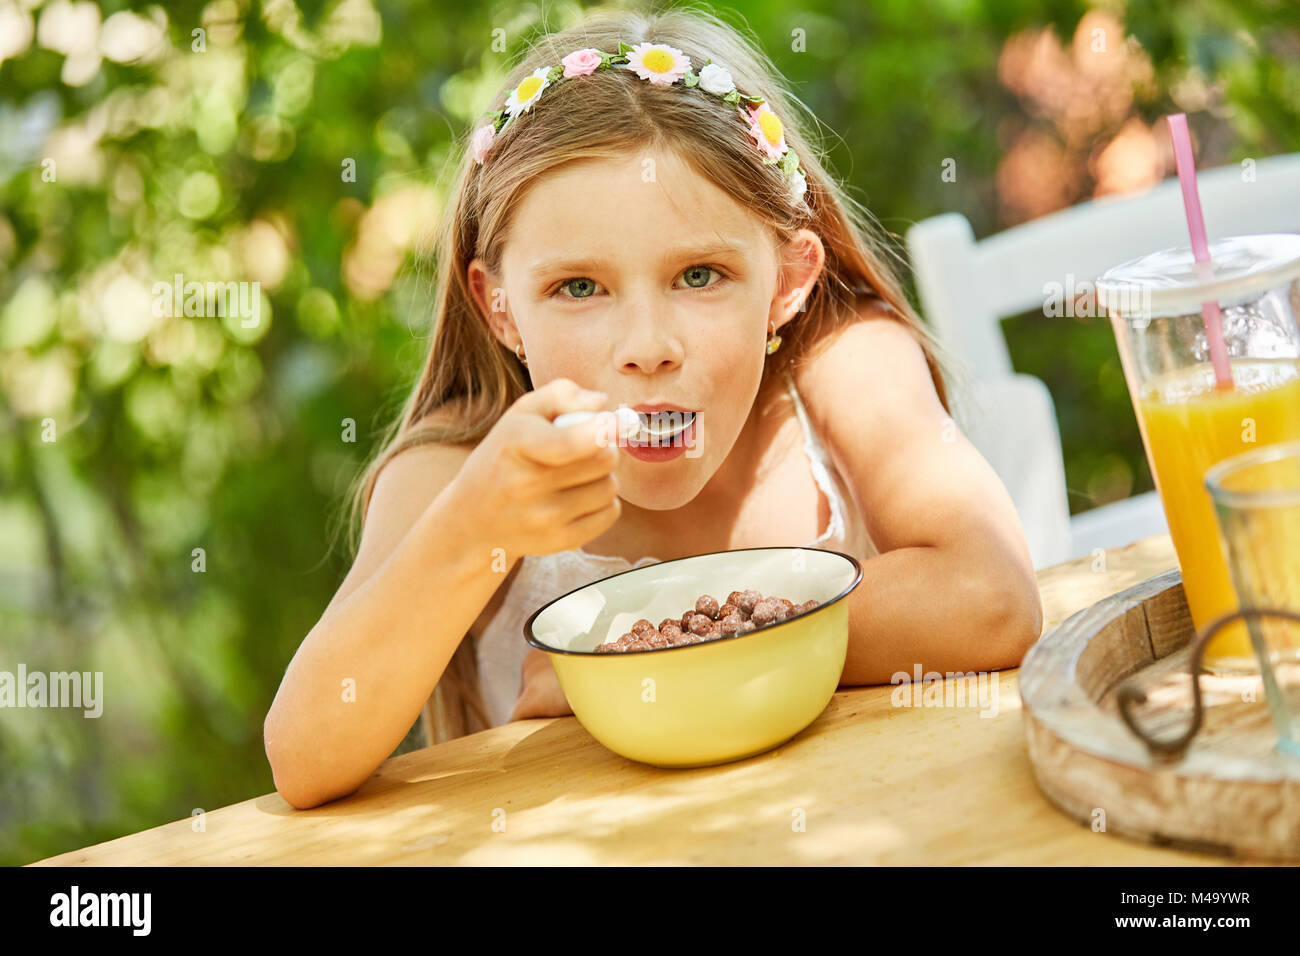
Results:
<point x="572" y="418"/>
<point x="629" y="421"/>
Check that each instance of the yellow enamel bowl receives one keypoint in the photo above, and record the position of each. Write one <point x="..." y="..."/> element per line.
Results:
<point x="708" y="703"/>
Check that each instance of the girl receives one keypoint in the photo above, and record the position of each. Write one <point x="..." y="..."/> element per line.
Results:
<point x="643" y="223"/>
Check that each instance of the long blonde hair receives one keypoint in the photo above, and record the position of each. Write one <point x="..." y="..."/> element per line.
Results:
<point x="474" y="379"/>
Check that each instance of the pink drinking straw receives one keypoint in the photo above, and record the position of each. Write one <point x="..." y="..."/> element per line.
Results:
<point x="1200" y="248"/>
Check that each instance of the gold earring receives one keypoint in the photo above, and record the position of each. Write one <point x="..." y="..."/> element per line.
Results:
<point x="519" y="356"/>
<point x="774" y="341"/>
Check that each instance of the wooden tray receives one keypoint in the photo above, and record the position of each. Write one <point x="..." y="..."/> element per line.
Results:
<point x="1231" y="792"/>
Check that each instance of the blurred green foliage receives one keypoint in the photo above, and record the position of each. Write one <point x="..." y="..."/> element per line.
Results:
<point x="175" y="533"/>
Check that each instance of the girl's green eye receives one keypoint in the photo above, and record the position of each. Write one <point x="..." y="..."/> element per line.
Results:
<point x="579" y="288"/>
<point x="697" y="277"/>
<point x="582" y="287"/>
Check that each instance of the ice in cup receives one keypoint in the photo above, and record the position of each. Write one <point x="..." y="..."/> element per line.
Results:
<point x="1189" y="417"/>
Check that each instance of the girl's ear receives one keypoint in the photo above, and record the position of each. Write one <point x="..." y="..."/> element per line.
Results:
<point x="802" y="259"/>
<point x="490" y="297"/>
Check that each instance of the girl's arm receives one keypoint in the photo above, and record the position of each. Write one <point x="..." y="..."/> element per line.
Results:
<point x="953" y="588"/>
<point x="439" y="519"/>
<point x="352" y="690"/>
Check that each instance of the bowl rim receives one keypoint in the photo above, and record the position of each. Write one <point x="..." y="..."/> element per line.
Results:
<point x="534" y="642"/>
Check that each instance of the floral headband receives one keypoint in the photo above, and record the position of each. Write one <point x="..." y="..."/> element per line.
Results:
<point x="664" y="66"/>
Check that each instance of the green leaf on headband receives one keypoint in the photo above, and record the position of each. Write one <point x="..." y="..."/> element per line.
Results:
<point x="625" y="47"/>
<point x="755" y="100"/>
<point x="555" y="73"/>
<point x="790" y="162"/>
<point x="733" y="97"/>
<point x="690" y="79"/>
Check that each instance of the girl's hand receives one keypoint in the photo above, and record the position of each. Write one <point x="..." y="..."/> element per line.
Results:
<point x="532" y="488"/>
<point x="539" y="690"/>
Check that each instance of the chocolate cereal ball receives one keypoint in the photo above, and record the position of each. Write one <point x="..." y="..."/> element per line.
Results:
<point x="642" y="628"/>
<point x="765" y="611"/>
<point x="700" y="624"/>
<point x="731" y="623"/>
<point x="747" y="599"/>
<point x="708" y="606"/>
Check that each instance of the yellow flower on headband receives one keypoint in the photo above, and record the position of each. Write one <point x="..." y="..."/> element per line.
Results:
<point x="523" y="96"/>
<point x="660" y="64"/>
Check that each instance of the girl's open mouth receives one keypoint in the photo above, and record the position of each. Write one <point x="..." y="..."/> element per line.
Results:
<point x="663" y="436"/>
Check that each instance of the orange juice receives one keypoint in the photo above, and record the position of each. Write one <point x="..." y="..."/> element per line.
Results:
<point x="1189" y="425"/>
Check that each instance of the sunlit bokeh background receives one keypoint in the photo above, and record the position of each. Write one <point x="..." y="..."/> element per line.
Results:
<point x="170" y="486"/>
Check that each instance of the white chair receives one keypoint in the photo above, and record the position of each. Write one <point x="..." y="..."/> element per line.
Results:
<point x="967" y="287"/>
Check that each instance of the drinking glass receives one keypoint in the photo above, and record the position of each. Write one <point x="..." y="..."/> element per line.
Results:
<point x="1189" y="420"/>
<point x="1257" y="501"/>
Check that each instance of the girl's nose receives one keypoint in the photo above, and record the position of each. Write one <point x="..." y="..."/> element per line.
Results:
<point x="649" y="341"/>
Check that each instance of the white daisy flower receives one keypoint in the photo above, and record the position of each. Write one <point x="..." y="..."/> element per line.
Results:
<point x="716" y="80"/>
<point x="523" y="96"/>
<point x="658" y="63"/>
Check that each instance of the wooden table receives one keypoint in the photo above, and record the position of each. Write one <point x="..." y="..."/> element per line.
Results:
<point x="872" y="783"/>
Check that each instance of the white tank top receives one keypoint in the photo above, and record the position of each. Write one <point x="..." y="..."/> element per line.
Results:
<point x="501" y="647"/>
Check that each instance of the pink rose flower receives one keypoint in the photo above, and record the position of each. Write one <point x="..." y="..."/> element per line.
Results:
<point x="581" y="62"/>
<point x="484" y="137"/>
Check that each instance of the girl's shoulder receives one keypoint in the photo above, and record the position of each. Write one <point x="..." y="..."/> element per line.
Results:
<point x="879" y="350"/>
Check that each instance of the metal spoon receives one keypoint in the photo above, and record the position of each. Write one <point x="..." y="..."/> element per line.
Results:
<point x="633" y="425"/>
<point x="665" y="432"/>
